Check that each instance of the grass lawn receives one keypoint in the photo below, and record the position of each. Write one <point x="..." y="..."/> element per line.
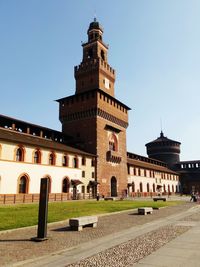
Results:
<point x="16" y="216"/>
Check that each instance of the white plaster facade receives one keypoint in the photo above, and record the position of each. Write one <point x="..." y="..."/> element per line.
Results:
<point x="11" y="170"/>
<point x="152" y="181"/>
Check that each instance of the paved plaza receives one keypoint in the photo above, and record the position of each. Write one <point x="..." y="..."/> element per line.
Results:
<point x="168" y="237"/>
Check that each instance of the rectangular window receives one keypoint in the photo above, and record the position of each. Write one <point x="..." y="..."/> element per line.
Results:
<point x="83" y="160"/>
<point x="128" y="169"/>
<point x="93" y="163"/>
<point x="83" y="174"/>
<point x="92" y="174"/>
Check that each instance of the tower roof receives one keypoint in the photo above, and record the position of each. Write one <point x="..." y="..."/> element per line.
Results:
<point x="95" y="25"/>
<point x="162" y="139"/>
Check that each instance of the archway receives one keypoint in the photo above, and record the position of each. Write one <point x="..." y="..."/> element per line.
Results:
<point x="65" y="185"/>
<point x="113" y="187"/>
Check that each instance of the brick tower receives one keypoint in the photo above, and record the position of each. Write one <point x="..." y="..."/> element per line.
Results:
<point x="95" y="118"/>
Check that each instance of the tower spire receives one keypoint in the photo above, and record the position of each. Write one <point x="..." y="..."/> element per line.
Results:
<point x="161" y="132"/>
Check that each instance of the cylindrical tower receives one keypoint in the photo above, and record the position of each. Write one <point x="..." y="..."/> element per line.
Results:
<point x="164" y="149"/>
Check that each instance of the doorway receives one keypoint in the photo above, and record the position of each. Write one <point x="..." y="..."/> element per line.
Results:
<point x="113" y="187"/>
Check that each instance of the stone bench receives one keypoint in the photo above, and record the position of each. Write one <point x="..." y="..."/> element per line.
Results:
<point x="78" y="223"/>
<point x="109" y="198"/>
<point x="145" y="210"/>
<point x="159" y="198"/>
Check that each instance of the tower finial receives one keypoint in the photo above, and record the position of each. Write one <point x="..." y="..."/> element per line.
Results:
<point x="161" y="133"/>
<point x="95" y="16"/>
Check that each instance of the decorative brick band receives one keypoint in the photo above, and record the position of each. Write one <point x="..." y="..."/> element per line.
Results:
<point x="92" y="113"/>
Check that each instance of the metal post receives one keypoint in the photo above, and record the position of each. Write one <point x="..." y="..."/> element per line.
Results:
<point x="43" y="211"/>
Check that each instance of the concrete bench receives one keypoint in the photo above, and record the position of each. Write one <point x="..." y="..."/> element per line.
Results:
<point x="109" y="198"/>
<point x="78" y="223"/>
<point x="159" y="198"/>
<point x="145" y="210"/>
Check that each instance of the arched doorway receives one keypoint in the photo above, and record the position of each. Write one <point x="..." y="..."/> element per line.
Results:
<point x="141" y="187"/>
<point x="113" y="187"/>
<point x="65" y="185"/>
<point x="133" y="187"/>
<point x="148" y="187"/>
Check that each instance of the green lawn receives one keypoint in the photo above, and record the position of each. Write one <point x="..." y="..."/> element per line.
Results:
<point x="17" y="216"/>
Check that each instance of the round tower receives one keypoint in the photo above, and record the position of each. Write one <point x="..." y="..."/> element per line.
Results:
<point x="164" y="149"/>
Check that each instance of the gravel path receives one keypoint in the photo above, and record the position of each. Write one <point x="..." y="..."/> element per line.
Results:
<point x="131" y="252"/>
<point x="16" y="245"/>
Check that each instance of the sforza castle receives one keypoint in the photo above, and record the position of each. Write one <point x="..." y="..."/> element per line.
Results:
<point x="89" y="156"/>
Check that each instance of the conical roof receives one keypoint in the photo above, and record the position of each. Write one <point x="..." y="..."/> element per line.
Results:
<point x="162" y="139"/>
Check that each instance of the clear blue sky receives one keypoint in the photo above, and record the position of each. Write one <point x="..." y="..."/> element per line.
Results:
<point x="154" y="46"/>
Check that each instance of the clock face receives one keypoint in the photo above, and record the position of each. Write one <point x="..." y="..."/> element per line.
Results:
<point x="107" y="83"/>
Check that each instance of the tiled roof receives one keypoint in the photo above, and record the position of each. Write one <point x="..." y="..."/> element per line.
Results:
<point x="28" y="139"/>
<point x="150" y="166"/>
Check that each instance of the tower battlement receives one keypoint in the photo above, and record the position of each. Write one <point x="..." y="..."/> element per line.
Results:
<point x="93" y="64"/>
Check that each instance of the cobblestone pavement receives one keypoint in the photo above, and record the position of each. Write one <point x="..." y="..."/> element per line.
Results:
<point x="16" y="245"/>
<point x="125" y="254"/>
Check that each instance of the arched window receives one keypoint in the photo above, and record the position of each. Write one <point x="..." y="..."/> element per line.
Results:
<point x="148" y="187"/>
<point x="20" y="154"/>
<point x="65" y="161"/>
<point x="113" y="145"/>
<point x="102" y="55"/>
<point x="90" y="53"/>
<point x="23" y="185"/>
<point x="75" y="162"/>
<point x="65" y="185"/>
<point x="52" y="159"/>
<point x="37" y="157"/>
<point x="141" y="187"/>
<point x="93" y="162"/>
<point x="83" y="160"/>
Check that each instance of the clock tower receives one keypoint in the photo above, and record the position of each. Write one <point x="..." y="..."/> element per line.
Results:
<point x="94" y="71"/>
<point x="95" y="119"/>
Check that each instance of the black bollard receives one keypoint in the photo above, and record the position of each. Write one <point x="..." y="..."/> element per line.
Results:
<point x="43" y="211"/>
